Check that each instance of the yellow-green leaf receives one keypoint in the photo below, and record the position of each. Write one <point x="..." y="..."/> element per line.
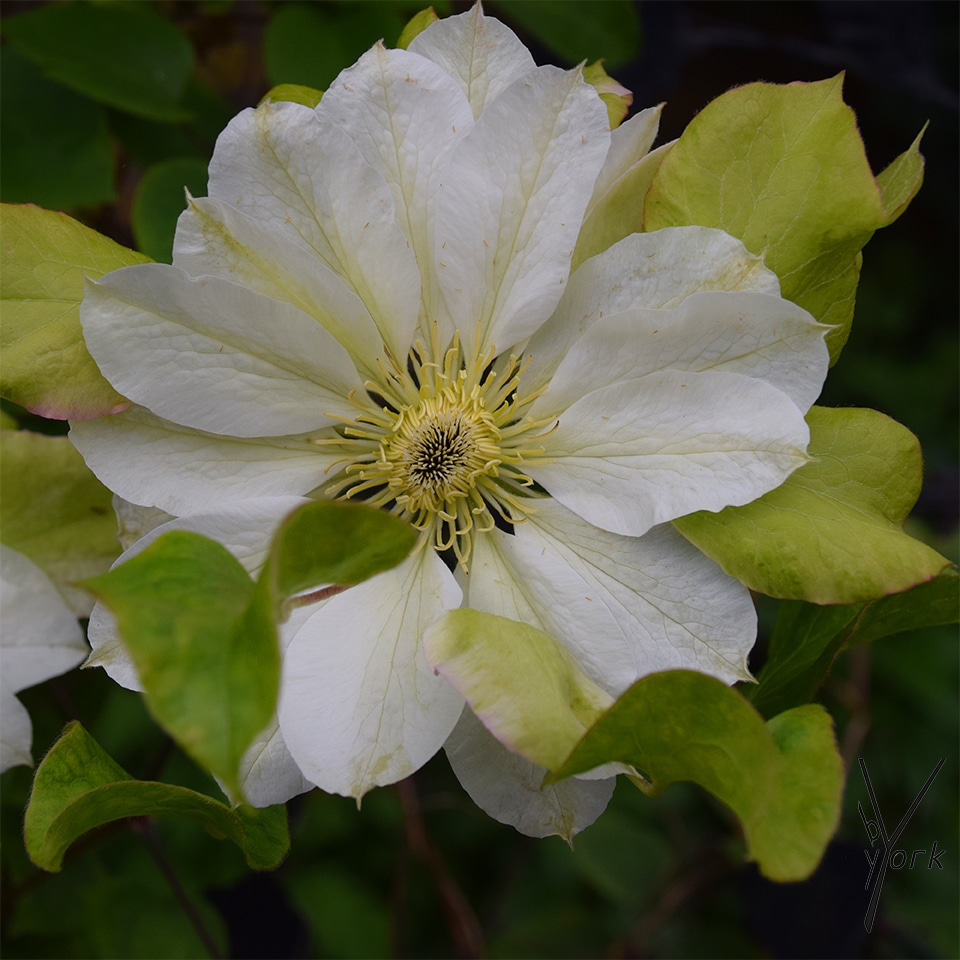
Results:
<point x="832" y="533"/>
<point x="292" y="93"/>
<point x="900" y="181"/>
<point x="416" y="25"/>
<point x="55" y="511"/>
<point x="616" y="97"/>
<point x="527" y="690"/>
<point x="44" y="258"/>
<point x="784" y="169"/>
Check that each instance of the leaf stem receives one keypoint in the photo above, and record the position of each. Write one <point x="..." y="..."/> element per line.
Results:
<point x="315" y="596"/>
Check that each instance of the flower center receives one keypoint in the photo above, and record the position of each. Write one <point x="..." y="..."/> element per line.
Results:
<point x="441" y="445"/>
<point x="439" y="449"/>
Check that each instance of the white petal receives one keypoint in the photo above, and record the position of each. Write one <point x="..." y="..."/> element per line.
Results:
<point x="16" y="732"/>
<point x="405" y="114"/>
<point x="656" y="270"/>
<point x="507" y="787"/>
<point x="754" y="334"/>
<point x="360" y="707"/>
<point x="134" y="521"/>
<point x="288" y="168"/>
<point x="546" y="592"/>
<point x="212" y="355"/>
<point x="617" y="213"/>
<point x="629" y="143"/>
<point x="623" y="606"/>
<point x="480" y="52"/>
<point x="511" y="206"/>
<point x="156" y="463"/>
<point x="268" y="774"/>
<point x="216" y="239"/>
<point x="641" y="452"/>
<point x="245" y="530"/>
<point x="109" y="651"/>
<point x="41" y="638"/>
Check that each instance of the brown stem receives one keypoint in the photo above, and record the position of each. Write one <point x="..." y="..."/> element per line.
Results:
<point x="854" y="695"/>
<point x="464" y="926"/>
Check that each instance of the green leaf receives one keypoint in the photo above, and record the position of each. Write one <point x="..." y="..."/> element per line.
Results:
<point x="806" y="638"/>
<point x="615" y="96"/>
<point x="783" y="779"/>
<point x="783" y="168"/>
<point x="124" y="56"/>
<point x="159" y="201"/>
<point x="604" y="28"/>
<point x="832" y="532"/>
<point x="44" y="258"/>
<point x="332" y="543"/>
<point x="416" y="25"/>
<point x="209" y="669"/>
<point x="79" y="787"/>
<point x="292" y="93"/>
<point x="55" y="511"/>
<point x="203" y="636"/>
<point x="931" y="604"/>
<point x="54" y="144"/>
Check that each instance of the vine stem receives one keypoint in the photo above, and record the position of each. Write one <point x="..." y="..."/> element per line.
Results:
<point x="709" y="869"/>
<point x="854" y="694"/>
<point x="464" y="926"/>
<point x="146" y="829"/>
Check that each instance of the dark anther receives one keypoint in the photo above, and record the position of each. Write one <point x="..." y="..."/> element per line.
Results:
<point x="381" y="402"/>
<point x="413" y="362"/>
<point x="499" y="520"/>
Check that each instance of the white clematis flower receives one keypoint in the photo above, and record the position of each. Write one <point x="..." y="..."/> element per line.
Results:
<point x="376" y="302"/>
<point x="40" y="639"/>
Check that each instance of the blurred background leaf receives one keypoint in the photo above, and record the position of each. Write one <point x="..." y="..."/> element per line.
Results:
<point x="160" y="199"/>
<point x="122" y="55"/>
<point x="56" y="146"/>
<point x="310" y="43"/>
<point x="603" y="29"/>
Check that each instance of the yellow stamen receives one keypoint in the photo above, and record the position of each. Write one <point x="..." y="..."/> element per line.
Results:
<point x="441" y="442"/>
